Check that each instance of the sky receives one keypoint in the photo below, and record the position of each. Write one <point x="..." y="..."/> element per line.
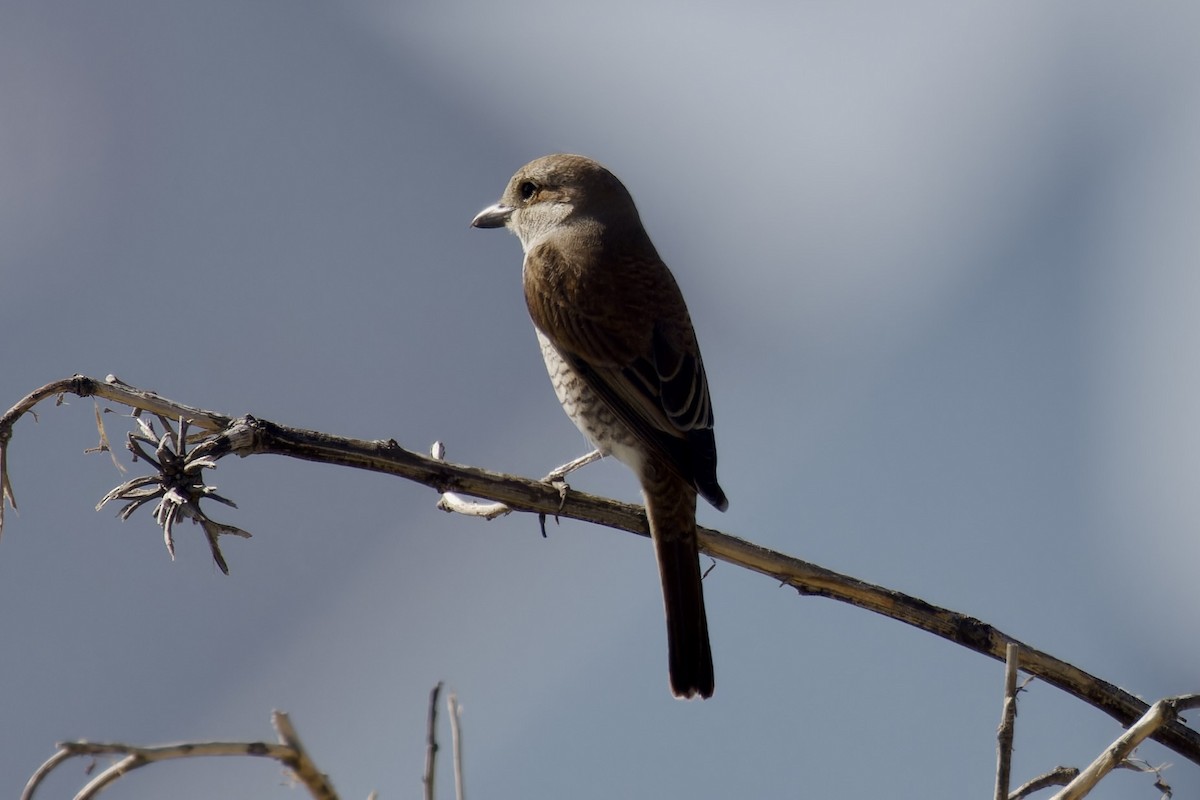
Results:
<point x="941" y="263"/>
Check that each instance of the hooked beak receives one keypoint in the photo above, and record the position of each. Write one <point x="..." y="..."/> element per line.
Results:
<point x="495" y="216"/>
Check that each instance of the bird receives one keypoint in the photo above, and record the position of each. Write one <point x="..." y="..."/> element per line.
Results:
<point x="621" y="352"/>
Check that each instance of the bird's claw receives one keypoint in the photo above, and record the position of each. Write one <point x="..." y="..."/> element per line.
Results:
<point x="563" y="488"/>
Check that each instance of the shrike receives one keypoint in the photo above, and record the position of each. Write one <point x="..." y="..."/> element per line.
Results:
<point x="623" y="358"/>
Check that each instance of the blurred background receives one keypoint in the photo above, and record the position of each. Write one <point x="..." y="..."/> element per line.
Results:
<point x="942" y="263"/>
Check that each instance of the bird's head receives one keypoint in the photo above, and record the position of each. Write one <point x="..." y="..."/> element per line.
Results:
<point x="559" y="193"/>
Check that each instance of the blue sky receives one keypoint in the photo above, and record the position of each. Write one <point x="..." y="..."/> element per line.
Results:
<point x="942" y="264"/>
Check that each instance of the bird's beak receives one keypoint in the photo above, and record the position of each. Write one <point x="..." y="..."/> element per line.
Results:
<point x="492" y="217"/>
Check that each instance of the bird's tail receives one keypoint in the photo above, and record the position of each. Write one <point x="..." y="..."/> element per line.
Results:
<point x="671" y="508"/>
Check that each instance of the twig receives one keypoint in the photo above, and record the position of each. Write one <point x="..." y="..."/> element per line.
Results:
<point x="456" y="741"/>
<point x="431" y="745"/>
<point x="301" y="764"/>
<point x="454" y="503"/>
<point x="290" y="752"/>
<point x="1161" y="713"/>
<point x="247" y="436"/>
<point x="111" y="388"/>
<point x="1142" y="766"/>
<point x="1059" y="776"/>
<point x="1008" y="722"/>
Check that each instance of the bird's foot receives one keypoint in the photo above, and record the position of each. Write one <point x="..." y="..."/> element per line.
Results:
<point x="557" y="478"/>
<point x="556" y="475"/>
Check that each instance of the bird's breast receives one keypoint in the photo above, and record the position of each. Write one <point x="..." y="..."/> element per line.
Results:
<point x="590" y="414"/>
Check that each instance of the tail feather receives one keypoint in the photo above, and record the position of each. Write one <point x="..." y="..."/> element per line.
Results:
<point x="671" y="509"/>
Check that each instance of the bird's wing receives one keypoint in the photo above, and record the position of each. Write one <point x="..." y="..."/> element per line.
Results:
<point x="645" y="366"/>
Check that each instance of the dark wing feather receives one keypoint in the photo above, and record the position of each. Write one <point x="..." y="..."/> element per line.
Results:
<point x="647" y="370"/>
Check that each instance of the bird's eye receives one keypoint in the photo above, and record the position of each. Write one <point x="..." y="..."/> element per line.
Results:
<point x="527" y="189"/>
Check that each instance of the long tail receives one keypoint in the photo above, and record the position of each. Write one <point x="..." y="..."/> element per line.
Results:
<point x="671" y="508"/>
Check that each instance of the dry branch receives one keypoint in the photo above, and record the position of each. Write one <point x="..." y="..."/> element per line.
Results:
<point x="1008" y="722"/>
<point x="1059" y="776"/>
<point x="1161" y="713"/>
<point x="455" y="712"/>
<point x="431" y="745"/>
<point x="247" y="435"/>
<point x="290" y="752"/>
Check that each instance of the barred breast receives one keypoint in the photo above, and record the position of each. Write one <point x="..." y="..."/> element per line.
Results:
<point x="591" y="416"/>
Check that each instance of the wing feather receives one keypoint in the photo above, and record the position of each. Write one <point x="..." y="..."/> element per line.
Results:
<point x="647" y="369"/>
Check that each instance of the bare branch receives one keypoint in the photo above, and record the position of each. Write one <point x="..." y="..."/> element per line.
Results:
<point x="289" y="752"/>
<point x="1145" y="767"/>
<point x="1008" y="722"/>
<point x="1059" y="776"/>
<point x="454" y="503"/>
<point x="104" y="446"/>
<point x="431" y="745"/>
<point x="247" y="436"/>
<point x="111" y="388"/>
<point x="1161" y="713"/>
<point x="299" y="762"/>
<point x="7" y="496"/>
<point x="455" y="711"/>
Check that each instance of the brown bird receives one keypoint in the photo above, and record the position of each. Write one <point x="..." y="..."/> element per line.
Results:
<point x="623" y="358"/>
